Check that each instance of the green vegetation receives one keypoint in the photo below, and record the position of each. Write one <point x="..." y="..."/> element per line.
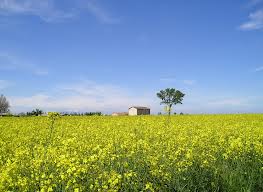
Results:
<point x="170" y="97"/>
<point x="4" y="105"/>
<point x="195" y="153"/>
<point x="36" y="112"/>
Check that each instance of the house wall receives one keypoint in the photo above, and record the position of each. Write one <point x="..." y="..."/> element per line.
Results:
<point x="147" y="111"/>
<point x="143" y="112"/>
<point x="132" y="111"/>
<point x="140" y="111"/>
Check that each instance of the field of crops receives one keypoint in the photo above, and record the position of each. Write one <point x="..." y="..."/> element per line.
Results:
<point x="191" y="153"/>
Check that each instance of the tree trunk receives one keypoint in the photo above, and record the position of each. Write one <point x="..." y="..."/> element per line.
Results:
<point x="169" y="110"/>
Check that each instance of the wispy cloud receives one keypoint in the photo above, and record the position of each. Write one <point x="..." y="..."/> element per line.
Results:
<point x="252" y="3"/>
<point x="44" y="9"/>
<point x="173" y="80"/>
<point x="101" y="14"/>
<point x="50" y="11"/>
<point x="4" y="84"/>
<point x="255" y="21"/>
<point x="168" y="79"/>
<point x="11" y="63"/>
<point x="259" y="69"/>
<point x="82" y="96"/>
<point x="228" y="102"/>
<point x="189" y="82"/>
<point x="92" y="96"/>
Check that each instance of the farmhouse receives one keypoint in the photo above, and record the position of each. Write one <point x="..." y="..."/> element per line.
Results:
<point x="137" y="110"/>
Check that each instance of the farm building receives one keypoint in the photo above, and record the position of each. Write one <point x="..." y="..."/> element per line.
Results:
<point x="136" y="110"/>
<point x="119" y="114"/>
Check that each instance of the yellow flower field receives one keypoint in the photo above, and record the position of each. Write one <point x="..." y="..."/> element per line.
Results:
<point x="143" y="153"/>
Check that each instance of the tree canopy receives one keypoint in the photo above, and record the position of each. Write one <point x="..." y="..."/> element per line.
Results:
<point x="4" y="105"/>
<point x="36" y="112"/>
<point x="170" y="97"/>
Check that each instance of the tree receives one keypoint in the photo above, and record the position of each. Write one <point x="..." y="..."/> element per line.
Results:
<point x="37" y="112"/>
<point x="170" y="97"/>
<point x="4" y="105"/>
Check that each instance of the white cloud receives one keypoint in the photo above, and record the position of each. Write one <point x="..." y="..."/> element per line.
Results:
<point x="107" y="98"/>
<point x="4" y="84"/>
<point x="259" y="69"/>
<point x="83" y="96"/>
<point x="49" y="11"/>
<point x="228" y="102"/>
<point x="174" y="80"/>
<point x="255" y="21"/>
<point x="44" y="9"/>
<point x="189" y="82"/>
<point x="168" y="79"/>
<point x="11" y="63"/>
<point x="101" y="14"/>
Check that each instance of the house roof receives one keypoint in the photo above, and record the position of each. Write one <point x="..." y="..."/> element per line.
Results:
<point x="139" y="107"/>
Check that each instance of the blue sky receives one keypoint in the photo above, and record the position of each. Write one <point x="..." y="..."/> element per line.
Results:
<point x="106" y="55"/>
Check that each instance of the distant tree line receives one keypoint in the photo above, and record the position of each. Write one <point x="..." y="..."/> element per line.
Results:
<point x="160" y="113"/>
<point x="81" y="114"/>
<point x="38" y="112"/>
<point x="5" y="111"/>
